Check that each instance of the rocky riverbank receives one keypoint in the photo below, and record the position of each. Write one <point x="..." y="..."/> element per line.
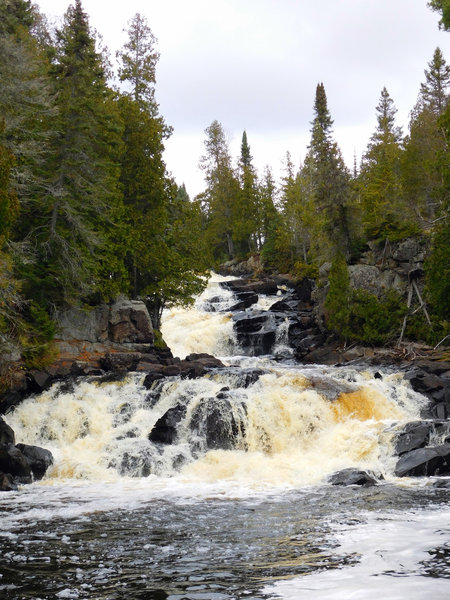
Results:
<point x="109" y="341"/>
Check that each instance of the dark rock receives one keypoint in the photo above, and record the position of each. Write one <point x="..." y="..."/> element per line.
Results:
<point x="38" y="380"/>
<point x="353" y="477"/>
<point x="165" y="428"/>
<point x="414" y="435"/>
<point x="7" y="483"/>
<point x="120" y="361"/>
<point x="218" y="422"/>
<point x="205" y="359"/>
<point x="151" y="378"/>
<point x="440" y="410"/>
<point x="287" y="306"/>
<point x="6" y="433"/>
<point x="245" y="300"/>
<point x="442" y="484"/>
<point x="39" y="459"/>
<point x="424" y="461"/>
<point x="267" y="287"/>
<point x="327" y="355"/>
<point x="171" y="370"/>
<point x="14" y="462"/>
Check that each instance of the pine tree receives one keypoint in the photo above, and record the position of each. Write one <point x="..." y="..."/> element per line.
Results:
<point x="222" y="192"/>
<point x="138" y="61"/>
<point x="329" y="179"/>
<point x="245" y="226"/>
<point x="77" y="228"/>
<point x="442" y="6"/>
<point x="384" y="213"/>
<point x="147" y="189"/>
<point x="425" y="159"/>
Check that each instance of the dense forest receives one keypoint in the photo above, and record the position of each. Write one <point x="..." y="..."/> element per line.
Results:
<point x="88" y="210"/>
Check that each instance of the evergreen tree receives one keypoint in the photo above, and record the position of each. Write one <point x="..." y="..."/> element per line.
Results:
<point x="425" y="159"/>
<point x="384" y="213"/>
<point x="245" y="226"/>
<point x="222" y="192"/>
<point x="138" y="60"/>
<point x="76" y="229"/>
<point x="442" y="6"/>
<point x="143" y="171"/>
<point x="329" y="181"/>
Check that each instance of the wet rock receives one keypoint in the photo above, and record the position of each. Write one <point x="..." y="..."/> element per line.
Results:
<point x="442" y="484"/>
<point x="151" y="378"/>
<point x="424" y="461"/>
<point x="12" y="461"/>
<point x="165" y="428"/>
<point x="218" y="422"/>
<point x="353" y="477"/>
<point x="207" y="360"/>
<point x="38" y="458"/>
<point x="414" y="435"/>
<point x="245" y="300"/>
<point x="6" y="433"/>
<point x="7" y="483"/>
<point x="267" y="287"/>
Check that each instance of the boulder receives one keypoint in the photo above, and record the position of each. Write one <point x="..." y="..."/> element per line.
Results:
<point x="165" y="429"/>
<point x="424" y="461"/>
<point x="129" y="321"/>
<point x="6" y="433"/>
<point x="414" y="435"/>
<point x="38" y="458"/>
<point x="218" y="422"/>
<point x="7" y="483"/>
<point x="353" y="477"/>
<point x="12" y="461"/>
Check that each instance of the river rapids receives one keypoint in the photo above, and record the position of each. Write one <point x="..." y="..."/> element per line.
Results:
<point x="238" y="505"/>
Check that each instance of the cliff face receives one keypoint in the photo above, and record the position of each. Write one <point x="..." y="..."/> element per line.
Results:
<point x="89" y="341"/>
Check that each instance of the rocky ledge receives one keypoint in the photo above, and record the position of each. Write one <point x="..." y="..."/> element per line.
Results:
<point x="20" y="463"/>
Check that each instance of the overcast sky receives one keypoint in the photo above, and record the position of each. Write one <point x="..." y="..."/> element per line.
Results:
<point x="255" y="64"/>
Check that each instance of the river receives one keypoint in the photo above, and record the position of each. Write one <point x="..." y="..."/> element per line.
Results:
<point x="119" y="515"/>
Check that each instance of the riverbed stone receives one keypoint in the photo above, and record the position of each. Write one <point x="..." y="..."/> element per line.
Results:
<point x="12" y="461"/>
<point x="38" y="458"/>
<point x="353" y="476"/>
<point x="6" y="433"/>
<point x="414" y="435"/>
<point x="424" y="462"/>
<point x="165" y="428"/>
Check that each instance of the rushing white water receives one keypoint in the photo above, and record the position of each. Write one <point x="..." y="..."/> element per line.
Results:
<point x="393" y="551"/>
<point x="121" y="515"/>
<point x="199" y="329"/>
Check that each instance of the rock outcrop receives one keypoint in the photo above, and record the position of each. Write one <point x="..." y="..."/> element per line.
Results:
<point x="20" y="463"/>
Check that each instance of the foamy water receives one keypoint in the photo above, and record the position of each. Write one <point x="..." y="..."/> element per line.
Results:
<point x="118" y="515"/>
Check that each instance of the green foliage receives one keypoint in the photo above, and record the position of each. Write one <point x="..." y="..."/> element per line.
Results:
<point x="437" y="272"/>
<point x="375" y="321"/>
<point x="159" y="342"/>
<point x="357" y="315"/>
<point x="302" y="270"/>
<point x="442" y="6"/>
<point x="338" y="296"/>
<point x="329" y="184"/>
<point x="36" y="337"/>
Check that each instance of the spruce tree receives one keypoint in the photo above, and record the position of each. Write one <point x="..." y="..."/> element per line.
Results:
<point x="222" y="192"/>
<point x="385" y="215"/>
<point x="329" y="180"/>
<point x="245" y="226"/>
<point x="425" y="160"/>
<point x="79" y="233"/>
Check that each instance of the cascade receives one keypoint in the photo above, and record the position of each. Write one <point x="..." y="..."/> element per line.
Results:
<point x="259" y="421"/>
